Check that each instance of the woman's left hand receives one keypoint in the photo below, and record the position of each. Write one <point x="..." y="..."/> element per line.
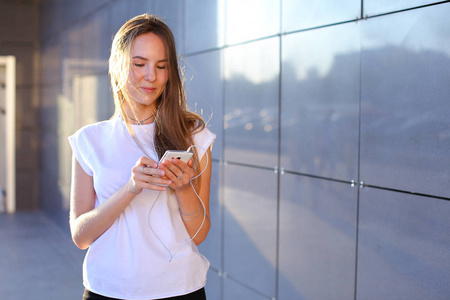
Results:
<point x="179" y="172"/>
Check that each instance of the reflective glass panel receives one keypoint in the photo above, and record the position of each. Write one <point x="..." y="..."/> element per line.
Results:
<point x="170" y="11"/>
<point x="374" y="7"/>
<point x="317" y="238"/>
<point x="235" y="290"/>
<point x="50" y="57"/>
<point x="87" y="6"/>
<point x="302" y="14"/>
<point x="405" y="128"/>
<point x="202" y="25"/>
<point x="51" y="18"/>
<point x="320" y="101"/>
<point x="250" y="227"/>
<point x="204" y="91"/>
<point x="211" y="248"/>
<point x="213" y="286"/>
<point x="71" y="49"/>
<point x="117" y="16"/>
<point x="250" y="19"/>
<point x="403" y="246"/>
<point x="137" y="7"/>
<point x="251" y="103"/>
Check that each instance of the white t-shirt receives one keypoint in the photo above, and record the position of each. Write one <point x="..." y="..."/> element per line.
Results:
<point x="131" y="260"/>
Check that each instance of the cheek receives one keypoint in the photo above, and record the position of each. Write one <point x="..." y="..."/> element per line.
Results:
<point x="136" y="76"/>
<point x="131" y="79"/>
<point x="165" y="79"/>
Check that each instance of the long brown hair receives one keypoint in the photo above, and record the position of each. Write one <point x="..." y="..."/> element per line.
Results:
<point x="174" y="124"/>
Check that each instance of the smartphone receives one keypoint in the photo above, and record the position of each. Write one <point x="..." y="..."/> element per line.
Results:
<point x="171" y="154"/>
<point x="178" y="154"/>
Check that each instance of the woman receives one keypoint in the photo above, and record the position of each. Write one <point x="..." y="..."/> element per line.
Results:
<point x="141" y="219"/>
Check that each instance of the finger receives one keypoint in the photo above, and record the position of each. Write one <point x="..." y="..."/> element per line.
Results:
<point x="179" y="179"/>
<point x="177" y="166"/>
<point x="167" y="171"/>
<point x="175" y="183"/>
<point x="146" y="170"/>
<point x="147" y="162"/>
<point x="155" y="187"/>
<point x="154" y="182"/>
<point x="155" y="177"/>
<point x="158" y="180"/>
<point x="144" y="173"/>
<point x="186" y="169"/>
<point x="169" y="167"/>
<point x="176" y="174"/>
<point x="190" y="163"/>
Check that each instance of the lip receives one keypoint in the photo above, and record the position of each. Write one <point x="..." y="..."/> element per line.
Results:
<point x="148" y="89"/>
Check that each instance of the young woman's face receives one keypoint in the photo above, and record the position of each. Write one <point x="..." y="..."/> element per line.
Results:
<point x="149" y="71"/>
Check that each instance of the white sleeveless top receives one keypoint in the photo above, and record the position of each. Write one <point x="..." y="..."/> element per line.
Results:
<point x="133" y="258"/>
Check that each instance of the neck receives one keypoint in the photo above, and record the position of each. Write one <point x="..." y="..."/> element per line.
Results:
<point x="147" y="120"/>
<point x="140" y="116"/>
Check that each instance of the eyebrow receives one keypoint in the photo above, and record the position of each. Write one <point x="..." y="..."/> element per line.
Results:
<point x="143" y="58"/>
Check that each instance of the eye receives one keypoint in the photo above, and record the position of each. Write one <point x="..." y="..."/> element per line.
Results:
<point x="161" y="67"/>
<point x="139" y="65"/>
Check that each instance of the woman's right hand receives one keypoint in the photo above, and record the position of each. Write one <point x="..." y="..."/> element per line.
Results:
<point x="146" y="175"/>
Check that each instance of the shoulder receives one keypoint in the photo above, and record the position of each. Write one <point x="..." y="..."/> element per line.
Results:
<point x="94" y="135"/>
<point x="202" y="132"/>
<point x="203" y="139"/>
<point x="94" y="129"/>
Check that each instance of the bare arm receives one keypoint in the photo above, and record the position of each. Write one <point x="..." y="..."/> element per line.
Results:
<point x="88" y="222"/>
<point x="187" y="199"/>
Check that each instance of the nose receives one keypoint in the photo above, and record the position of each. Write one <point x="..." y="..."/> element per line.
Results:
<point x="150" y="74"/>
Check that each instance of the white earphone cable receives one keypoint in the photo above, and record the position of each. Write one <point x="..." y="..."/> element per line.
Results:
<point x="199" y="198"/>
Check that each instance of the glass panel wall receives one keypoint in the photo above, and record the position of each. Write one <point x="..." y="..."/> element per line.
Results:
<point x="329" y="167"/>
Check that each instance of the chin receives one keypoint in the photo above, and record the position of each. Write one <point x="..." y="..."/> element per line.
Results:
<point x="145" y="102"/>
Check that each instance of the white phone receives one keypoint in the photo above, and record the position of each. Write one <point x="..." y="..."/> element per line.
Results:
<point x="171" y="154"/>
<point x="178" y="154"/>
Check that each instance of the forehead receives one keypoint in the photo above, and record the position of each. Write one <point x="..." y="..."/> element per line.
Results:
<point x="149" y="46"/>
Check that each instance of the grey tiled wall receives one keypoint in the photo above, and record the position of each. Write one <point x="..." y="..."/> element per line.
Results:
<point x="332" y="152"/>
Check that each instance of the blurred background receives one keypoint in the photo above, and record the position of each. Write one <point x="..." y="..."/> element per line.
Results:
<point x="330" y="168"/>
